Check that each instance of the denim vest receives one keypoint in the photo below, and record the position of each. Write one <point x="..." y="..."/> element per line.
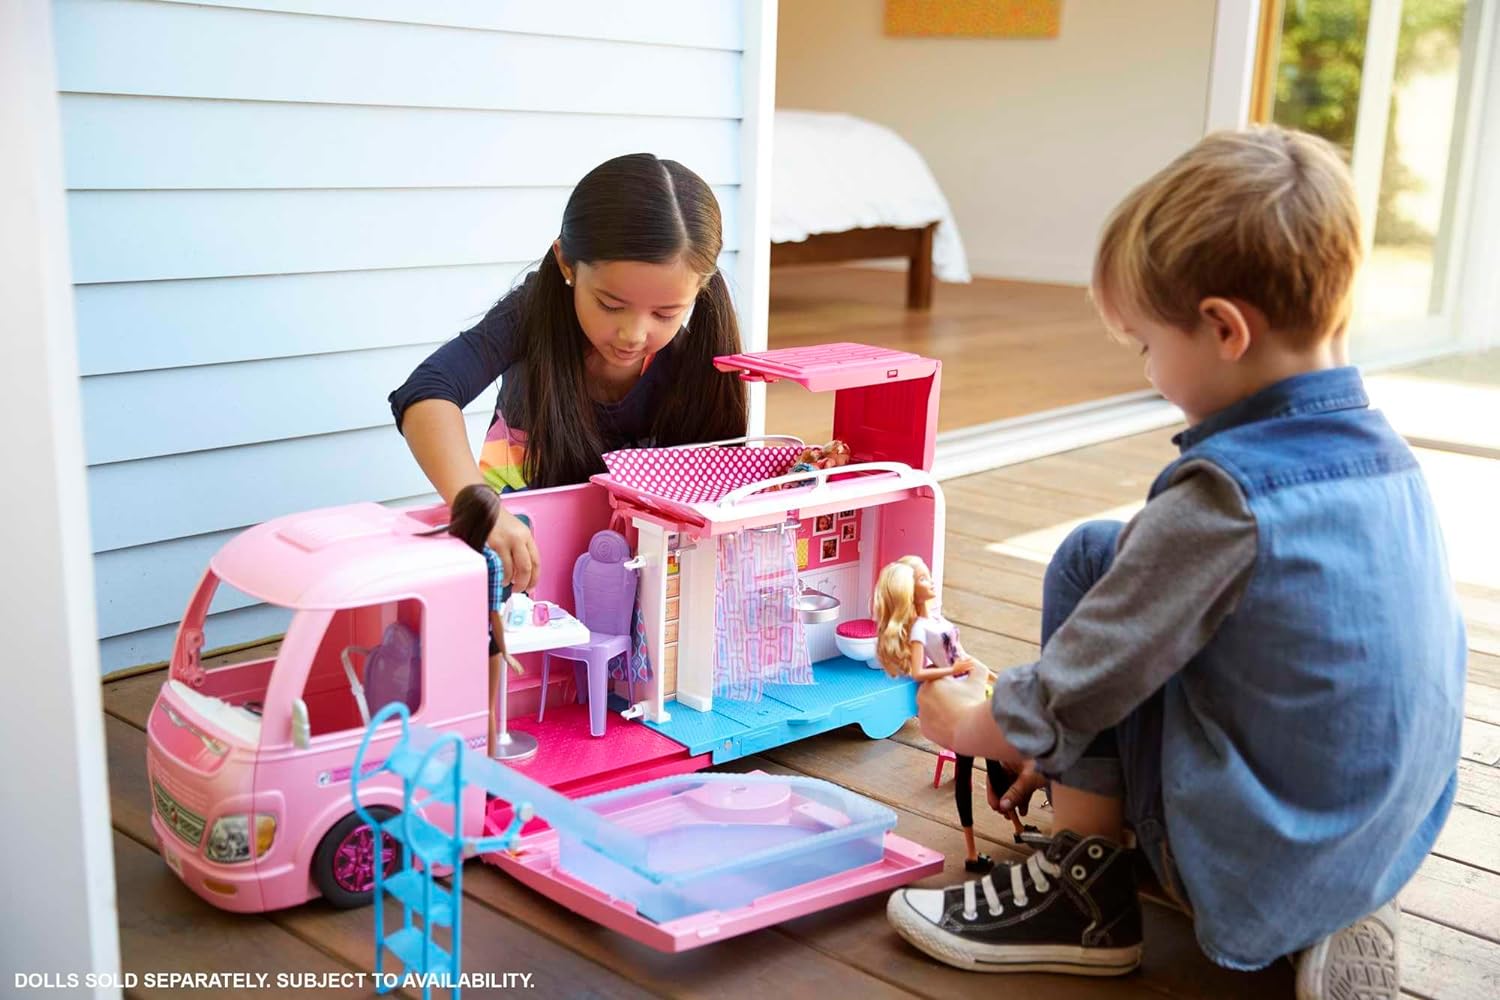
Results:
<point x="1309" y="752"/>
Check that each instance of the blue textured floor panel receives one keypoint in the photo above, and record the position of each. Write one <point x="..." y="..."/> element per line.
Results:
<point x="845" y="692"/>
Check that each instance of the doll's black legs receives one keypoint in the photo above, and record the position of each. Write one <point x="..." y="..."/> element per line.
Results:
<point x="963" y="797"/>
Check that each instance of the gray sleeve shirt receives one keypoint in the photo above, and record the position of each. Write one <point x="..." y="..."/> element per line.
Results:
<point x="1180" y="567"/>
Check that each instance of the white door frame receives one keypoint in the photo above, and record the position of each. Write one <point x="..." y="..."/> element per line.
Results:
<point x="758" y="85"/>
<point x="1477" y="299"/>
<point x="1231" y="67"/>
<point x="59" y="886"/>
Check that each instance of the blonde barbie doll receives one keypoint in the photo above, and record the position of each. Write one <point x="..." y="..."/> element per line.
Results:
<point x="912" y="639"/>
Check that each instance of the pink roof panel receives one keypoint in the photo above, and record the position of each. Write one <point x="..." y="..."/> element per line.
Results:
<point x="829" y="366"/>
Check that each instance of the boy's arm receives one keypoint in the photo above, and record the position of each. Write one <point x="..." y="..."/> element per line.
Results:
<point x="1179" y="570"/>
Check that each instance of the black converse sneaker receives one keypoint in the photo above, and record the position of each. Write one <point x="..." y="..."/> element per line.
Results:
<point x="1070" y="907"/>
<point x="1360" y="962"/>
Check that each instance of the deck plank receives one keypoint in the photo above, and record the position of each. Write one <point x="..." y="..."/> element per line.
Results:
<point x="1446" y="964"/>
<point x="1471" y="837"/>
<point x="164" y="928"/>
<point x="1478" y="787"/>
<point x="1456" y="895"/>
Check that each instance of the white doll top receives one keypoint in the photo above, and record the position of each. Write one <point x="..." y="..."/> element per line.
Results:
<point x="940" y="637"/>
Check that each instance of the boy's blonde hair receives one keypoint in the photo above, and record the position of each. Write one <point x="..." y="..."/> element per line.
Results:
<point x="1265" y="215"/>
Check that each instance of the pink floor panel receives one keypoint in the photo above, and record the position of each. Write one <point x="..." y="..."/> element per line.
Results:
<point x="576" y="764"/>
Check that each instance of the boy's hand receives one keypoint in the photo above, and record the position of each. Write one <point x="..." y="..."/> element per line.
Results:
<point x="516" y="547"/>
<point x="940" y="704"/>
<point x="1015" y="800"/>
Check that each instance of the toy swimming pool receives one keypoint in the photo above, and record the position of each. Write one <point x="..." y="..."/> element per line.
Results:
<point x="721" y="855"/>
<point x="721" y="841"/>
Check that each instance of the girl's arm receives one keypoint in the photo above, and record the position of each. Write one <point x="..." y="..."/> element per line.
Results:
<point x="435" y="433"/>
<point x="439" y="441"/>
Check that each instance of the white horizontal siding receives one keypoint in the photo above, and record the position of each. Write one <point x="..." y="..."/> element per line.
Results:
<point x="125" y="141"/>
<point x="176" y="410"/>
<point x="137" y="326"/>
<point x="177" y="50"/>
<point x="156" y="235"/>
<point x="696" y="23"/>
<point x="138" y="503"/>
<point x="277" y="209"/>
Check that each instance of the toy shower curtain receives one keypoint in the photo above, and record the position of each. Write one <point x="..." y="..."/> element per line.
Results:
<point x="758" y="636"/>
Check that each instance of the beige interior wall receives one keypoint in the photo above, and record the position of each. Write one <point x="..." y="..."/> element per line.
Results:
<point x="1033" y="141"/>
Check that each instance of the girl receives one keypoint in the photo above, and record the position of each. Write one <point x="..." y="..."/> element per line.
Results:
<point x="596" y="348"/>
<point x="472" y="520"/>
<point x="913" y="640"/>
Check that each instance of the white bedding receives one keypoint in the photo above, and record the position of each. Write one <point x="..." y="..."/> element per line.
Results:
<point x="831" y="172"/>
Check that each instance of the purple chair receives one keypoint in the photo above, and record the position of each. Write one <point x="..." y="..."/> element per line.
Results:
<point x="604" y="600"/>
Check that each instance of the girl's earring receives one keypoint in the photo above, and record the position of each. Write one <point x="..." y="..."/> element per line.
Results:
<point x="568" y="282"/>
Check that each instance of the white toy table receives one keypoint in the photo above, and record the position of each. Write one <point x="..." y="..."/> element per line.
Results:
<point x="561" y="629"/>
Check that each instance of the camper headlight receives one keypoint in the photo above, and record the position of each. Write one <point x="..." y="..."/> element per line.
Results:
<point x="229" y="840"/>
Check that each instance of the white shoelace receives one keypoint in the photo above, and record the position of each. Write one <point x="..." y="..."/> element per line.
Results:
<point x="1039" y="867"/>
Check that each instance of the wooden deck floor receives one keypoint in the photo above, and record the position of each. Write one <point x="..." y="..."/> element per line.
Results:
<point x="1002" y="526"/>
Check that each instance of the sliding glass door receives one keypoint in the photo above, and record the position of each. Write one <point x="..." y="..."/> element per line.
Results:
<point x="1392" y="84"/>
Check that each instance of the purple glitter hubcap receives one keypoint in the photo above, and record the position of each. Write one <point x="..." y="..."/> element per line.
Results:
<point x="354" y="861"/>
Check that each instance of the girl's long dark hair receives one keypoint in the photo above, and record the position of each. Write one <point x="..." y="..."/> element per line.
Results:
<point x="636" y="208"/>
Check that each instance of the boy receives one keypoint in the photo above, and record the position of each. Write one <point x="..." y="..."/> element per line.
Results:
<point x="1262" y="673"/>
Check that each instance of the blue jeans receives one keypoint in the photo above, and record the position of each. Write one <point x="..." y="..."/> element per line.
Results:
<point x="1123" y="762"/>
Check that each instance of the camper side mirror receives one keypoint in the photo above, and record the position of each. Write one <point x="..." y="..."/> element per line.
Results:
<point x="301" y="732"/>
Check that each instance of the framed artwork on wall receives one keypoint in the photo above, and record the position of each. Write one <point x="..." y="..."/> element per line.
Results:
<point x="846" y="532"/>
<point x="828" y="548"/>
<point x="823" y="524"/>
<point x="973" y="18"/>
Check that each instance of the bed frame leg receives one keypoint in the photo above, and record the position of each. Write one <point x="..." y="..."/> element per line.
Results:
<point x="919" y="274"/>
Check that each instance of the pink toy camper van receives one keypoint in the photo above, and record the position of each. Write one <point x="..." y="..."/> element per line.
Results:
<point x="250" y="764"/>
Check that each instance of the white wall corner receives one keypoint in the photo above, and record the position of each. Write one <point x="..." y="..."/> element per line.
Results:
<point x="58" y="891"/>
<point x="759" y="89"/>
<point x="1232" y="67"/>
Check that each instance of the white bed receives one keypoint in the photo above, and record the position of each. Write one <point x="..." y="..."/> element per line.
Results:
<point x="844" y="188"/>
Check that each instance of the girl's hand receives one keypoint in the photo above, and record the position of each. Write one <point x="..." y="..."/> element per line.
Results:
<point x="516" y="547"/>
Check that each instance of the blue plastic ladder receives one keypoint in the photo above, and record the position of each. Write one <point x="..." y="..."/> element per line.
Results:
<point x="433" y="765"/>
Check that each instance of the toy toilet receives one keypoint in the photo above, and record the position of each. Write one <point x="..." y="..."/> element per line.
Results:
<point x="856" y="640"/>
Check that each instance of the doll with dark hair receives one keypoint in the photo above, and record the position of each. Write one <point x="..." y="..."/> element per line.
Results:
<point x="471" y="519"/>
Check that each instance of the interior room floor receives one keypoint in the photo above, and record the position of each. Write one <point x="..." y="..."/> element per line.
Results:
<point x="1055" y="350"/>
